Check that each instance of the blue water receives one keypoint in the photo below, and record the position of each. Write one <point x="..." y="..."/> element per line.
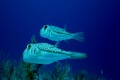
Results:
<point x="98" y="19"/>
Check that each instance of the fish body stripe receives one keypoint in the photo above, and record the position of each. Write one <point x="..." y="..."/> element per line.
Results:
<point x="59" y="31"/>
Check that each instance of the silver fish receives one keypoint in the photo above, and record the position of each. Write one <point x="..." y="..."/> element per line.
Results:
<point x="55" y="33"/>
<point x="44" y="53"/>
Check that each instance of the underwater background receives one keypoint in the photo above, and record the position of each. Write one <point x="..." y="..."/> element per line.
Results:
<point x="98" y="19"/>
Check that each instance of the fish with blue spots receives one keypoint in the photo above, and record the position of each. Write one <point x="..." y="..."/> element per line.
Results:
<point x="44" y="53"/>
<point x="55" y="33"/>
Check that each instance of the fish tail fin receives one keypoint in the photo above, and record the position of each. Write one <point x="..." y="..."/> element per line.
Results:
<point x="79" y="36"/>
<point x="77" y="55"/>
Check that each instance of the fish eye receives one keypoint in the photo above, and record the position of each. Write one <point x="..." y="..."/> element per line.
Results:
<point x="28" y="46"/>
<point x="45" y="27"/>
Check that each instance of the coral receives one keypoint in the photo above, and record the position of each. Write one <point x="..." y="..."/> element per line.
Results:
<point x="26" y="71"/>
<point x="6" y="69"/>
<point x="11" y="71"/>
<point x="61" y="72"/>
<point x="80" y="76"/>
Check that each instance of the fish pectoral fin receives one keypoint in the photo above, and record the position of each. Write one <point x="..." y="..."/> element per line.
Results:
<point x="66" y="41"/>
<point x="57" y="43"/>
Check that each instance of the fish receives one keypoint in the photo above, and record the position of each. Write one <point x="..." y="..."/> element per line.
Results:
<point x="44" y="53"/>
<point x="55" y="33"/>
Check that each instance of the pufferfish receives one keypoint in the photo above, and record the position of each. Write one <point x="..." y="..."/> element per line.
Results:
<point x="55" y="33"/>
<point x="44" y="53"/>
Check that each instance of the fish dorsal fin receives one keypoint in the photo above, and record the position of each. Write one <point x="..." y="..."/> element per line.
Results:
<point x="65" y="27"/>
